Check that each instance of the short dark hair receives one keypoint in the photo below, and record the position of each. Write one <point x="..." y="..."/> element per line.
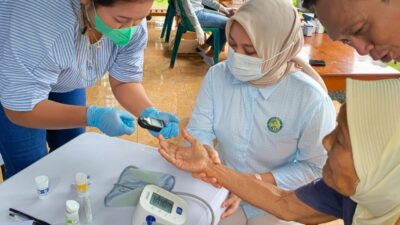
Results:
<point x="113" y="2"/>
<point x="309" y="4"/>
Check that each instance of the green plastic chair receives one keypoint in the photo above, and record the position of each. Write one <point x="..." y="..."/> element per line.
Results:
<point x="169" y="19"/>
<point x="184" y="26"/>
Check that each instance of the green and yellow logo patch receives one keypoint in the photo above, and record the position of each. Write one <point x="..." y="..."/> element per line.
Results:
<point x="275" y="124"/>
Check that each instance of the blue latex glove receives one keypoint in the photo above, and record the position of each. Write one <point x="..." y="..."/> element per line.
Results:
<point x="171" y="128"/>
<point x="111" y="121"/>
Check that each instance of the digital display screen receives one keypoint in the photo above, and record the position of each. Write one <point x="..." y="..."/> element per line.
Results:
<point x="155" y="122"/>
<point x="161" y="202"/>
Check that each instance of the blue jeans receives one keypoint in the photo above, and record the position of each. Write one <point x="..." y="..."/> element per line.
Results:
<point x="21" y="146"/>
<point x="211" y="18"/>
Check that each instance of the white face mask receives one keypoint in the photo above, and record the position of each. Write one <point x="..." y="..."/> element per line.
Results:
<point x="243" y="67"/>
<point x="248" y="68"/>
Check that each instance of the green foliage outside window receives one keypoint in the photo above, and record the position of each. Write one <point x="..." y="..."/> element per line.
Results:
<point x="160" y="4"/>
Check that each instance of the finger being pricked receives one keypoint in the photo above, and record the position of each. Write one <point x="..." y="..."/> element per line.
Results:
<point x="188" y="137"/>
<point x="165" y="151"/>
<point x="166" y="155"/>
<point x="167" y="147"/>
<point x="163" y="143"/>
<point x="160" y="137"/>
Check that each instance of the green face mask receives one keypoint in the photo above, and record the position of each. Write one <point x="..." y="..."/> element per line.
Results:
<point x="119" y="37"/>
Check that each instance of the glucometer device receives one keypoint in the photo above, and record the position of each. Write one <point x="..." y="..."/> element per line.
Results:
<point x="151" y="123"/>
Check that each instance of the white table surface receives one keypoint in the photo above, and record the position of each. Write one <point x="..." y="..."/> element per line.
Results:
<point x="103" y="158"/>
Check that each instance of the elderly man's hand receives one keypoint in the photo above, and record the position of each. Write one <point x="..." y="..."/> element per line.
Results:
<point x="193" y="159"/>
<point x="203" y="176"/>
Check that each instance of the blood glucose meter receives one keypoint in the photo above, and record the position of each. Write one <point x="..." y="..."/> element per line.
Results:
<point x="160" y="207"/>
<point x="151" y="123"/>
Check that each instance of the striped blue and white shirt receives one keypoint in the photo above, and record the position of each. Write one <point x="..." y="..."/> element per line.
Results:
<point x="43" y="50"/>
<point x="277" y="129"/>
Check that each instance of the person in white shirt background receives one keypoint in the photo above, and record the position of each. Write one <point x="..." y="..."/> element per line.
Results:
<point x="216" y="15"/>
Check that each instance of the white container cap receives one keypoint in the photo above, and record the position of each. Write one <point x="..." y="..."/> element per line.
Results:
<point x="81" y="178"/>
<point x="72" y="206"/>
<point x="42" y="182"/>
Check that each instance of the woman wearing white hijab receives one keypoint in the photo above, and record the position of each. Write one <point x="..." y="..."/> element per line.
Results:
<point x="269" y="118"/>
<point x="360" y="181"/>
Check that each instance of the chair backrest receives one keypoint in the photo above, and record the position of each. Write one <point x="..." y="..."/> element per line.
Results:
<point x="171" y="3"/>
<point x="182" y="15"/>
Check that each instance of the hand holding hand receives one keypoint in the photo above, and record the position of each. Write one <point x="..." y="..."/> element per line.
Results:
<point x="215" y="159"/>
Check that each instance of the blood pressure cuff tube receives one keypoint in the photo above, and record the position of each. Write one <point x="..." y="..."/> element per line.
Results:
<point x="131" y="182"/>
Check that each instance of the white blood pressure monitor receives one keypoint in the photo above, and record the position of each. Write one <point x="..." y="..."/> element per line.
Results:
<point x="160" y="207"/>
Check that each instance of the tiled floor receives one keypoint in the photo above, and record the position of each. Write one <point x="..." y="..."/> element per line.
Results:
<point x="172" y="90"/>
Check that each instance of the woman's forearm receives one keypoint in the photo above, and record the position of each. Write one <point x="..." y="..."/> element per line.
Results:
<point x="131" y="96"/>
<point x="50" y="115"/>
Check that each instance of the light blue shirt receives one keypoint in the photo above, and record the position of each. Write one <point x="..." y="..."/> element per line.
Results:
<point x="43" y="50"/>
<point x="276" y="129"/>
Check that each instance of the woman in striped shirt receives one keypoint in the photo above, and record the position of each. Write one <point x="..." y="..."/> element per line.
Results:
<point x="50" y="51"/>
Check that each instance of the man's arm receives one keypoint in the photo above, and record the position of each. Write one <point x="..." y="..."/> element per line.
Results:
<point x="280" y="203"/>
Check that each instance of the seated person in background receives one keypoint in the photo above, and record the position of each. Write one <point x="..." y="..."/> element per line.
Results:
<point x="360" y="181"/>
<point x="201" y="17"/>
<point x="268" y="117"/>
